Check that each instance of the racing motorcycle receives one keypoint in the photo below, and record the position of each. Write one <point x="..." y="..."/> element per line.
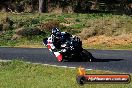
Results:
<point x="70" y="50"/>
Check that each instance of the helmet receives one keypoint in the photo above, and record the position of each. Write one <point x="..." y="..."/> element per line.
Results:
<point x="54" y="31"/>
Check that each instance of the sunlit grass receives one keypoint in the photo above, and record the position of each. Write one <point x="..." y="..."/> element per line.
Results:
<point x="19" y="74"/>
<point x="107" y="24"/>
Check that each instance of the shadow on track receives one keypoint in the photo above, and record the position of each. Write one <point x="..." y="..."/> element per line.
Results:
<point x="95" y="60"/>
<point x="106" y="60"/>
<point x="88" y="55"/>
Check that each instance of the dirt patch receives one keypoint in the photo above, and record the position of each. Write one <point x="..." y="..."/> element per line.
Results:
<point x="109" y="41"/>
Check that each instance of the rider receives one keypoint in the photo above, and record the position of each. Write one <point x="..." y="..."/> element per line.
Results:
<point x="58" y="38"/>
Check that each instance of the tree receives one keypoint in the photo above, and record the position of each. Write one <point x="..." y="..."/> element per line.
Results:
<point x="42" y="6"/>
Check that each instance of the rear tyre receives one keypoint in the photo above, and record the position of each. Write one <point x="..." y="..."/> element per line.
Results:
<point x="87" y="56"/>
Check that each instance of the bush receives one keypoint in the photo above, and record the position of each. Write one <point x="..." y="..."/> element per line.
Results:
<point x="86" y="33"/>
<point x="6" y="35"/>
<point x="46" y="27"/>
<point x="28" y="31"/>
<point x="7" y="24"/>
<point x="26" y="22"/>
<point x="16" y="36"/>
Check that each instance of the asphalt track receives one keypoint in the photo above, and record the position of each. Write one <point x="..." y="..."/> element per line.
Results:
<point x="112" y="60"/>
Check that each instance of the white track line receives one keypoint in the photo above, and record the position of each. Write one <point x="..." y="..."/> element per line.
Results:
<point x="4" y="60"/>
<point x="46" y="65"/>
<point x="63" y="66"/>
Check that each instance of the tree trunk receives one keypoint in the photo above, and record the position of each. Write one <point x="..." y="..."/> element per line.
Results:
<point x="95" y="5"/>
<point x="42" y="6"/>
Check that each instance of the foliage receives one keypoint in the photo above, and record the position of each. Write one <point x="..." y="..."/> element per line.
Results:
<point x="78" y="6"/>
<point x="29" y="32"/>
<point x="49" y="25"/>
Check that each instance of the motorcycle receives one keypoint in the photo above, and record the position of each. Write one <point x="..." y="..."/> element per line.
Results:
<point x="70" y="50"/>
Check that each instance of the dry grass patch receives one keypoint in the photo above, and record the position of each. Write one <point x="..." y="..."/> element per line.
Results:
<point x="125" y="39"/>
<point x="107" y="26"/>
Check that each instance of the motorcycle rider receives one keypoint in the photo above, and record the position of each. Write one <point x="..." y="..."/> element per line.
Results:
<point x="58" y="38"/>
<point x="63" y="43"/>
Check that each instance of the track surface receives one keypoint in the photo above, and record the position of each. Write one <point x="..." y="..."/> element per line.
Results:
<point x="113" y="60"/>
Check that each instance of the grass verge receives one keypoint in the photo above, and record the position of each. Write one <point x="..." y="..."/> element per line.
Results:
<point x="104" y="47"/>
<point x="19" y="74"/>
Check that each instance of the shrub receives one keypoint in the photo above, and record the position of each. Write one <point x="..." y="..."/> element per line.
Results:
<point x="26" y="22"/>
<point x="29" y="31"/>
<point x="16" y="36"/>
<point x="7" y="23"/>
<point x="49" y="25"/>
<point x="87" y="33"/>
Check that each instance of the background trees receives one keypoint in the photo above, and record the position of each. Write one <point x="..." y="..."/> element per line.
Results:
<point x="42" y="6"/>
<point x="122" y="6"/>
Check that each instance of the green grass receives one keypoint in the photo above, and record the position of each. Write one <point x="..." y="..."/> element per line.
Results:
<point x="19" y="74"/>
<point x="6" y="40"/>
<point x="107" y="24"/>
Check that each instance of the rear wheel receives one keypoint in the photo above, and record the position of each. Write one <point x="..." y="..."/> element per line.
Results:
<point x="87" y="56"/>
